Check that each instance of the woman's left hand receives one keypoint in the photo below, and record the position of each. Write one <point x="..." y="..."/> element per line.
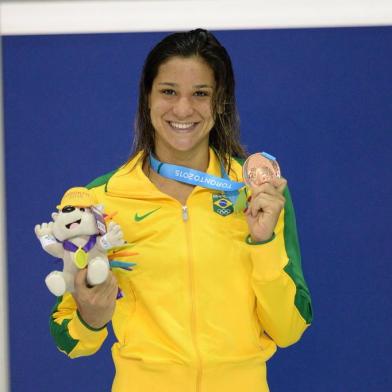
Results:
<point x="265" y="205"/>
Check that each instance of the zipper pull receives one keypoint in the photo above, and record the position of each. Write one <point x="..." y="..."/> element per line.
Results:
<point x="185" y="215"/>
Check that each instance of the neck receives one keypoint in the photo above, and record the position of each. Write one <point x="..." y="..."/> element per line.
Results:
<point x="197" y="160"/>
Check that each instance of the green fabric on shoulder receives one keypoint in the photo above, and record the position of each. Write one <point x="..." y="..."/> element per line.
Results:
<point x="100" y="180"/>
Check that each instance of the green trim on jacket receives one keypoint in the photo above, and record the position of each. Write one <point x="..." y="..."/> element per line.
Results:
<point x="293" y="268"/>
<point x="101" y="180"/>
<point x="60" y="333"/>
<point x="89" y="326"/>
<point x="239" y="160"/>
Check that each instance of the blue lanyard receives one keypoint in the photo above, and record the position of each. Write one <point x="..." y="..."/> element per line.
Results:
<point x="195" y="177"/>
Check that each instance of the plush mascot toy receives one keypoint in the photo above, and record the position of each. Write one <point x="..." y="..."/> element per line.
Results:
<point x="78" y="235"/>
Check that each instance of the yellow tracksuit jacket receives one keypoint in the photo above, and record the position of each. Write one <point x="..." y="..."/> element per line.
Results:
<point x="204" y="308"/>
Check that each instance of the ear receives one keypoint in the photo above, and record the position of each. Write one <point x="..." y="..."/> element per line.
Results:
<point x="55" y="215"/>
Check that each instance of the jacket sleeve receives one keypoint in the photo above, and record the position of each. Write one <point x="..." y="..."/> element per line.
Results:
<point x="283" y="300"/>
<point x="71" y="334"/>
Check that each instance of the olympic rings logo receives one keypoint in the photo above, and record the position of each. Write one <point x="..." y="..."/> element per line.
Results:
<point x="224" y="212"/>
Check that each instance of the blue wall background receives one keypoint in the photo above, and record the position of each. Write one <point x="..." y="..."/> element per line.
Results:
<point x="318" y="99"/>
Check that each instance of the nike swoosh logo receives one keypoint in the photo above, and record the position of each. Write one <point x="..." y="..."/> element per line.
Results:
<point x="139" y="218"/>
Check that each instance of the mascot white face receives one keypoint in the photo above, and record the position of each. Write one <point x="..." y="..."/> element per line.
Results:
<point x="71" y="222"/>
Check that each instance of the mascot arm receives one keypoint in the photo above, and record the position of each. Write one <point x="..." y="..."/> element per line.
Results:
<point x="114" y="237"/>
<point x="44" y="233"/>
<point x="71" y="334"/>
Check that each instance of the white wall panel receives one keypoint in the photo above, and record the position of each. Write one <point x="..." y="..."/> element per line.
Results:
<point x="52" y="17"/>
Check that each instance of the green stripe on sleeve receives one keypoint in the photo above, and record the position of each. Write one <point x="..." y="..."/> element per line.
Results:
<point x="293" y="268"/>
<point x="60" y="333"/>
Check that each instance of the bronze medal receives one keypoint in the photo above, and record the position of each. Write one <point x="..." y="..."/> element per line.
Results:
<point x="260" y="168"/>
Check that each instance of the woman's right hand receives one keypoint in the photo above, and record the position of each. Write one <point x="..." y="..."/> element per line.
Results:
<point x="95" y="304"/>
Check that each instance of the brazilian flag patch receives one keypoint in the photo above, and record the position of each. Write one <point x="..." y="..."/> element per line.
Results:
<point x="222" y="205"/>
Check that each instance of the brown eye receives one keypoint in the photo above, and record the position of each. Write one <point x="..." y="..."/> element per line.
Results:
<point x="201" y="94"/>
<point x="168" y="91"/>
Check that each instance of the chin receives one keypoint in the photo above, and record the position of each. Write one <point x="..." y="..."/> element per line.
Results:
<point x="187" y="144"/>
<point x="185" y="148"/>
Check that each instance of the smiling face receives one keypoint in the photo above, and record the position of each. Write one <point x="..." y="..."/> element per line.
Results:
<point x="181" y="107"/>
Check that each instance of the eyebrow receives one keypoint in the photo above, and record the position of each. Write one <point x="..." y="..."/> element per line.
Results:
<point x="195" y="86"/>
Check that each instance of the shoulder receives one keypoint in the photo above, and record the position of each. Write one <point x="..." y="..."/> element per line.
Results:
<point x="240" y="161"/>
<point x="236" y="164"/>
<point x="101" y="181"/>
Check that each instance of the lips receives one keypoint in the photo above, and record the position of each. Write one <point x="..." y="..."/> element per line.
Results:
<point x="73" y="225"/>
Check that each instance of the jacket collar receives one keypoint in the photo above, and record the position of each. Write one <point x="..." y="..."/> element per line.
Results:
<point x="130" y="180"/>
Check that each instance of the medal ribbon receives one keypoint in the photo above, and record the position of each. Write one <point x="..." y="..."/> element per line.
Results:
<point x="80" y="252"/>
<point x="195" y="177"/>
<point x="70" y="246"/>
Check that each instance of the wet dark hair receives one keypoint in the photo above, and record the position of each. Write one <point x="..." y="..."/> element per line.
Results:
<point x="224" y="136"/>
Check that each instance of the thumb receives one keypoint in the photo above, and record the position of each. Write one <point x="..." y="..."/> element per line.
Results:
<point x="280" y="184"/>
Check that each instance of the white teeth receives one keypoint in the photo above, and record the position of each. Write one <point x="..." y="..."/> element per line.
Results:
<point x="181" y="125"/>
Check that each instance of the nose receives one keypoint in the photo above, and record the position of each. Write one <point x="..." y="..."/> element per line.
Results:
<point x="183" y="107"/>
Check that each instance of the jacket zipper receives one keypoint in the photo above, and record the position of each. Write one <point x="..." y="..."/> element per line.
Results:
<point x="185" y="217"/>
